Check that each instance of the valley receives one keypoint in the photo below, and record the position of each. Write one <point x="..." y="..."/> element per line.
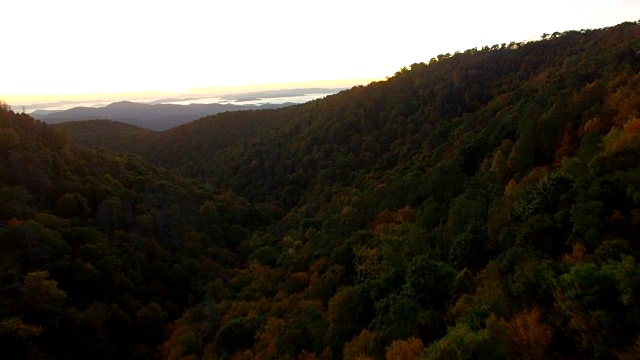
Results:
<point x="482" y="204"/>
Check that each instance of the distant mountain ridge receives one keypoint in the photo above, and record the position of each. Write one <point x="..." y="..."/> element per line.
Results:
<point x="150" y="116"/>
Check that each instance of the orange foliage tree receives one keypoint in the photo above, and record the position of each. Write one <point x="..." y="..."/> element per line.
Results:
<point x="530" y="336"/>
<point x="405" y="349"/>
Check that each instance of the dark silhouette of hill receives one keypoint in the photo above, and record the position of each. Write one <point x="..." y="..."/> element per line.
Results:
<point x="151" y="116"/>
<point x="107" y="134"/>
<point x="209" y="135"/>
<point x="40" y="113"/>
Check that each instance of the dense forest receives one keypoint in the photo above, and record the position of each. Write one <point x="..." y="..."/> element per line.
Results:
<point x="483" y="205"/>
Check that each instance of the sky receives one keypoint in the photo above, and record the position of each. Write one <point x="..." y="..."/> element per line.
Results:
<point x="65" y="48"/>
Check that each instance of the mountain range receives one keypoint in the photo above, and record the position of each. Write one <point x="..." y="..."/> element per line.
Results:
<point x="151" y="116"/>
<point x="165" y="113"/>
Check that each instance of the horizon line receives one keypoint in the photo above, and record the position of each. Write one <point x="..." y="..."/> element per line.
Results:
<point x="34" y="98"/>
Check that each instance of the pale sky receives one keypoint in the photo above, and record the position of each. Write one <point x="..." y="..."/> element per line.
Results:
<point x="94" y="46"/>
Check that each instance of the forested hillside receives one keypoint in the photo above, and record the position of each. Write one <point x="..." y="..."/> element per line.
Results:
<point x="178" y="148"/>
<point x="99" y="253"/>
<point x="105" y="134"/>
<point x="483" y="205"/>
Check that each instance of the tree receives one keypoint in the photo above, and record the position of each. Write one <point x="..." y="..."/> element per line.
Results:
<point x="17" y="338"/>
<point x="151" y="320"/>
<point x="40" y="296"/>
<point x="429" y="282"/>
<point x="531" y="337"/>
<point x="358" y="347"/>
<point x="71" y="205"/>
<point x="236" y="334"/>
<point x="405" y="349"/>
<point x="343" y="317"/>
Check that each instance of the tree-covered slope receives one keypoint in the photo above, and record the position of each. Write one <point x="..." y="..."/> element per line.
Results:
<point x="184" y="148"/>
<point x="484" y="205"/>
<point x="107" y="134"/>
<point x="99" y="253"/>
<point x="462" y="107"/>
